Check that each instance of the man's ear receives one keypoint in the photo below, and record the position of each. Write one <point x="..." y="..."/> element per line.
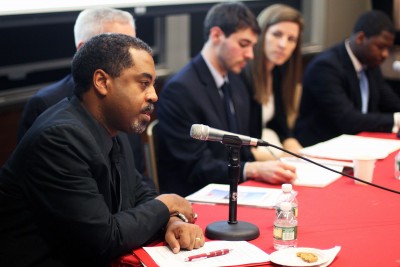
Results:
<point x="216" y="34"/>
<point x="360" y="37"/>
<point x="100" y="80"/>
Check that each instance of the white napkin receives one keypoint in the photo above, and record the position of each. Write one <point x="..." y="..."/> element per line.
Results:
<point x="331" y="254"/>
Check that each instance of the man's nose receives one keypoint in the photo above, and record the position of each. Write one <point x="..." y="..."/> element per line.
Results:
<point x="249" y="54"/>
<point x="152" y="95"/>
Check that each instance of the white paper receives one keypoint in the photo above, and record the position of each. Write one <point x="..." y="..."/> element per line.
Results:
<point x="309" y="174"/>
<point x="247" y="195"/>
<point x="242" y="253"/>
<point x="348" y="147"/>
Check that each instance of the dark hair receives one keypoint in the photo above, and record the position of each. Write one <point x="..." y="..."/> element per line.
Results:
<point x="108" y="52"/>
<point x="230" y="17"/>
<point x="372" y="23"/>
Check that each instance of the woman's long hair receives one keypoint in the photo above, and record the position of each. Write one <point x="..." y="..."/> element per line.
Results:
<point x="256" y="70"/>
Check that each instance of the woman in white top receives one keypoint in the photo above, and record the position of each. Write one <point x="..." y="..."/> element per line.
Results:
<point x="273" y="79"/>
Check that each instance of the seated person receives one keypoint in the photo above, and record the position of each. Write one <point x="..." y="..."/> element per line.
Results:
<point x="69" y="195"/>
<point x="89" y="23"/>
<point x="344" y="91"/>
<point x="273" y="78"/>
<point x="200" y="94"/>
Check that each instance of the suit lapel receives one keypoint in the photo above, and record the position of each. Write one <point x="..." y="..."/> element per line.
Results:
<point x="352" y="77"/>
<point x="210" y="89"/>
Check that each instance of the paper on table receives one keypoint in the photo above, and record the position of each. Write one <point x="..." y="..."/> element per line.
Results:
<point x="242" y="253"/>
<point x="312" y="175"/>
<point x="347" y="147"/>
<point x="247" y="195"/>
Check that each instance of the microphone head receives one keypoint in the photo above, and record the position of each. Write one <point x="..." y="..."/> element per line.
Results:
<point x="199" y="131"/>
<point x="396" y="65"/>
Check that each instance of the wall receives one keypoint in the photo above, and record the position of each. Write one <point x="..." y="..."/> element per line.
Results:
<point x="331" y="21"/>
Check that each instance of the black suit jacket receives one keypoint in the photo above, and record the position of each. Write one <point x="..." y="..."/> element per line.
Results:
<point x="331" y="100"/>
<point x="55" y="195"/>
<point x="51" y="95"/>
<point x="191" y="97"/>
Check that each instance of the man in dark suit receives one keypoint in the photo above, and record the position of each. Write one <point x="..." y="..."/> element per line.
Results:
<point x="195" y="95"/>
<point x="69" y="195"/>
<point x="344" y="91"/>
<point x="89" y="23"/>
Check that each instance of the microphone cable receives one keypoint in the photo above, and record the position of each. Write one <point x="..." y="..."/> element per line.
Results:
<point x="266" y="144"/>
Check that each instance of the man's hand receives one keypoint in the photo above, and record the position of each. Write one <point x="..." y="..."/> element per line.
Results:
<point x="177" y="204"/>
<point x="273" y="172"/>
<point x="181" y="235"/>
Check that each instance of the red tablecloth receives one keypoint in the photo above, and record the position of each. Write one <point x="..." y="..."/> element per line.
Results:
<point x="363" y="220"/>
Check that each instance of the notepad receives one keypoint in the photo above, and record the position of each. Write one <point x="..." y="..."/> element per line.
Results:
<point x="242" y="253"/>
<point x="312" y="175"/>
<point x="247" y="195"/>
<point x="348" y="147"/>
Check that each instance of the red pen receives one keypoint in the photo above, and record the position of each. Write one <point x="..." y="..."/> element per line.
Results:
<point x="207" y="255"/>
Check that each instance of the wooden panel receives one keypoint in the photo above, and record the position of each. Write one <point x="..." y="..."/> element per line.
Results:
<point x="8" y="135"/>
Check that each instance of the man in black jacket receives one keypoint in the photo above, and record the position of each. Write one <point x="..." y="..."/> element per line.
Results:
<point x="90" y="22"/>
<point x="195" y="95"/>
<point x="336" y="97"/>
<point x="69" y="194"/>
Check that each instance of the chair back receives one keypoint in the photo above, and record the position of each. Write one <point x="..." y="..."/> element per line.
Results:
<point x="151" y="133"/>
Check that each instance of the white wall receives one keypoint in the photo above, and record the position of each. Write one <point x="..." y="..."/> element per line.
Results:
<point x="331" y="21"/>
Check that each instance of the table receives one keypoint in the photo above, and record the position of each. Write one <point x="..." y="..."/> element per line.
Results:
<point x="363" y="220"/>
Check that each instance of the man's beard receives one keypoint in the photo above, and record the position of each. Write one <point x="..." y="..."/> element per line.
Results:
<point x="140" y="125"/>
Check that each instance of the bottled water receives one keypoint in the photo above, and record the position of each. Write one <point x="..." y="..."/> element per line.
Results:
<point x="288" y="195"/>
<point x="397" y="166"/>
<point x="285" y="227"/>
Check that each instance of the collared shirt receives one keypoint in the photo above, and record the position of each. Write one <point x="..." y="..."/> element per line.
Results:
<point x="360" y="69"/>
<point x="219" y="81"/>
<point x="356" y="63"/>
<point x="218" y="78"/>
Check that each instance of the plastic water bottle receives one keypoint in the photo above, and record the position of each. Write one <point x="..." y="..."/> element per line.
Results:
<point x="285" y="227"/>
<point x="288" y="195"/>
<point x="397" y="166"/>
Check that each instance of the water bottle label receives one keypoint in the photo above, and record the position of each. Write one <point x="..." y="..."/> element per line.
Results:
<point x="285" y="233"/>
<point x="295" y="211"/>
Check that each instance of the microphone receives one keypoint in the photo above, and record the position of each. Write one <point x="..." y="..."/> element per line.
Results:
<point x="396" y="65"/>
<point x="206" y="133"/>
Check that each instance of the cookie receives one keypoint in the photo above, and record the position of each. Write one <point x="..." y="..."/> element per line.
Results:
<point x="307" y="256"/>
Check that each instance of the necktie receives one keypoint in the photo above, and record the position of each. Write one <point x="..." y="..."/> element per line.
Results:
<point x="230" y="113"/>
<point x="115" y="176"/>
<point x="364" y="89"/>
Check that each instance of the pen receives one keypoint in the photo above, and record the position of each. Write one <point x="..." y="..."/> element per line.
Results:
<point x="207" y="255"/>
<point x="273" y="154"/>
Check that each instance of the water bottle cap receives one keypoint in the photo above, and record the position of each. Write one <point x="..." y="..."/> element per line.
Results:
<point x="286" y="206"/>
<point x="287" y="187"/>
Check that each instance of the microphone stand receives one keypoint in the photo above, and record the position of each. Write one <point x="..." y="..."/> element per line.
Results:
<point x="232" y="229"/>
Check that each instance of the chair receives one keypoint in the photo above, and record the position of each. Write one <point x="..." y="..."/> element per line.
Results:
<point x="151" y="133"/>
